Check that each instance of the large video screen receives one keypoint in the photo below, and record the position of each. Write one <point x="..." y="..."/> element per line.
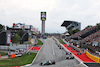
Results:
<point x="43" y="16"/>
<point x="3" y="38"/>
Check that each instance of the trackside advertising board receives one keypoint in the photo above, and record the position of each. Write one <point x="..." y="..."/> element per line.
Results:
<point x="43" y="16"/>
<point x="8" y="39"/>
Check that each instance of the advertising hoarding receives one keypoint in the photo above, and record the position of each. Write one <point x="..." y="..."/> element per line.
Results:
<point x="8" y="39"/>
<point x="43" y="16"/>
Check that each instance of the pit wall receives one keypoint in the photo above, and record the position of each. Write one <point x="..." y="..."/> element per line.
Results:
<point x="92" y="57"/>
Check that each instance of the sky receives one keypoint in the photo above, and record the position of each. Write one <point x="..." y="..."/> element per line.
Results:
<point x="87" y="12"/>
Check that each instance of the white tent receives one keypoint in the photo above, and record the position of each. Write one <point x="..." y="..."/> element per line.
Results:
<point x="67" y="34"/>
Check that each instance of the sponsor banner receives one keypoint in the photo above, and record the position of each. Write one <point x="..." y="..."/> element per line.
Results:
<point x="8" y="39"/>
<point x="43" y="16"/>
<point x="92" y="57"/>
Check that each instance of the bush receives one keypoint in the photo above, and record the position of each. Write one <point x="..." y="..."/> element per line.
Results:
<point x="2" y="27"/>
<point x="61" y="41"/>
<point x="71" y="32"/>
<point x="98" y="24"/>
<point x="39" y="42"/>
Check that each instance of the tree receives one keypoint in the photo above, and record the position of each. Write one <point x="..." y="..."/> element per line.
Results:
<point x="20" y="33"/>
<point x="16" y="38"/>
<point x="73" y="31"/>
<point x="7" y="27"/>
<point x="2" y="27"/>
<point x="88" y="26"/>
<point x="70" y="31"/>
<point x="98" y="24"/>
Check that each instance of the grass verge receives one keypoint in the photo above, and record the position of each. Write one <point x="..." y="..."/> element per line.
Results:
<point x="39" y="42"/>
<point x="18" y="61"/>
<point x="61" y="41"/>
<point x="3" y="53"/>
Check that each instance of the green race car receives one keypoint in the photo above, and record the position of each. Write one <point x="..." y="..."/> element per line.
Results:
<point x="50" y="62"/>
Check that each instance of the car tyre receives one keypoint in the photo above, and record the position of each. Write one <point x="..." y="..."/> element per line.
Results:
<point x="67" y="57"/>
<point x="40" y="63"/>
<point x="72" y="57"/>
<point x="53" y="62"/>
<point x="60" y="48"/>
<point x="66" y="53"/>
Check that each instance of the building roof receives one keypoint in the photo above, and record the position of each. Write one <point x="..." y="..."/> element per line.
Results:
<point x="66" y="23"/>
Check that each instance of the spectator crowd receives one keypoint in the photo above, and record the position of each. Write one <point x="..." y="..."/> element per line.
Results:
<point x="88" y="38"/>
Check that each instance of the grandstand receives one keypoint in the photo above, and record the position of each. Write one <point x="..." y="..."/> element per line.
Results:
<point x="84" y="33"/>
<point x="71" y="25"/>
<point x="19" y="26"/>
<point x="88" y="41"/>
<point x="88" y="38"/>
<point x="92" y="37"/>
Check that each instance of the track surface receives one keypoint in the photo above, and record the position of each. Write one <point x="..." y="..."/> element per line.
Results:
<point x="51" y="51"/>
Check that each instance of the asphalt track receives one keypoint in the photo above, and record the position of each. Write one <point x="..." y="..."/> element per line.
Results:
<point x="51" y="51"/>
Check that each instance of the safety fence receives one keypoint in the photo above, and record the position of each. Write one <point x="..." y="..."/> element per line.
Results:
<point x="92" y="57"/>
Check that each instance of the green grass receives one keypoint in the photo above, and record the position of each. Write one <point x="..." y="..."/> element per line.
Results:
<point x="18" y="61"/>
<point x="39" y="42"/>
<point x="3" y="53"/>
<point x="61" y="41"/>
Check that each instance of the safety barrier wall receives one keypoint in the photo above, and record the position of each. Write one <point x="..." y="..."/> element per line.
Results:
<point x="92" y="57"/>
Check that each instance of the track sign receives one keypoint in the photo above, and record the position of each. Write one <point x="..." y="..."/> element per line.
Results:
<point x="43" y="16"/>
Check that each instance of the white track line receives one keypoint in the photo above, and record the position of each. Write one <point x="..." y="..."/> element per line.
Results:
<point x="53" y="50"/>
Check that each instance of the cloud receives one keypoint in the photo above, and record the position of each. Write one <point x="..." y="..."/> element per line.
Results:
<point x="25" y="11"/>
<point x="29" y="5"/>
<point x="84" y="11"/>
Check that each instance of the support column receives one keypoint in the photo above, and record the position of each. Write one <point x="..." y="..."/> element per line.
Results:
<point x="43" y="27"/>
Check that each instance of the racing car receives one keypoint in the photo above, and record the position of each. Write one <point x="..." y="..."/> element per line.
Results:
<point x="50" y="62"/>
<point x="69" y="57"/>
